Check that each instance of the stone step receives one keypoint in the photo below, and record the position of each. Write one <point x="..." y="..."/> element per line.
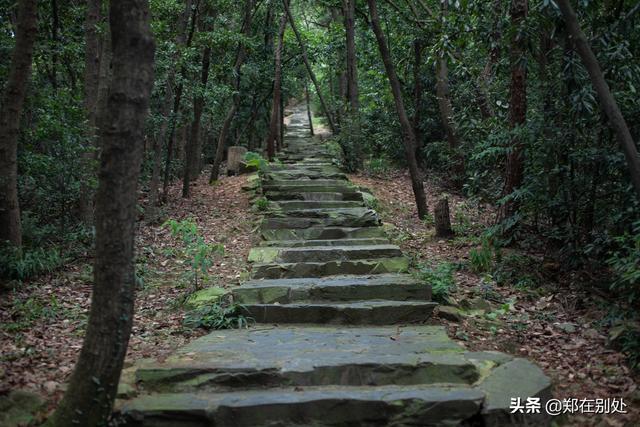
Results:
<point x="315" y="356"/>
<point x="292" y="205"/>
<point x="303" y="174"/>
<point x="285" y="183"/>
<point x="338" y="242"/>
<point x="305" y="218"/>
<point x="323" y="233"/>
<point x="398" y="287"/>
<point x="314" y="186"/>
<point x="319" y="375"/>
<point x="314" y="195"/>
<point x="265" y="254"/>
<point x="330" y="268"/>
<point x="314" y="406"/>
<point x="382" y="312"/>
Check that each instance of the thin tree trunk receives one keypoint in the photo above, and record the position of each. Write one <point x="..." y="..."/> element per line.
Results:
<point x="484" y="81"/>
<point x="514" y="173"/>
<point x="161" y="137"/>
<point x="191" y="148"/>
<point x="607" y="101"/>
<point x="409" y="138"/>
<point x="274" y="133"/>
<point x="306" y="96"/>
<point x="417" y="91"/>
<point x="12" y="102"/>
<point x="91" y="84"/>
<point x="312" y="75"/>
<point x="92" y="389"/>
<point x="241" y="55"/>
<point x="176" y="111"/>
<point x="353" y="109"/>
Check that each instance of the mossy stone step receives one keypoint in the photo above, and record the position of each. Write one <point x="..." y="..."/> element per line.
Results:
<point x="292" y="205"/>
<point x="339" y="242"/>
<point x="264" y="254"/>
<point x="288" y="222"/>
<point x="311" y="186"/>
<point x="297" y="182"/>
<point x="348" y="195"/>
<point x="314" y="356"/>
<point x="303" y="174"/>
<point x="323" y="233"/>
<point x="329" y="268"/>
<point x="317" y="406"/>
<point x="399" y="287"/>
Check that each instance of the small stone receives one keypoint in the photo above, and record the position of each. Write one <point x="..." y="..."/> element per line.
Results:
<point x="475" y="304"/>
<point x="449" y="313"/>
<point x="567" y="327"/>
<point x="50" y="386"/>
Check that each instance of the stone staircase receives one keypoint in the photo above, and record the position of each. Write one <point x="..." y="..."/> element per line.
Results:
<point x="324" y="260"/>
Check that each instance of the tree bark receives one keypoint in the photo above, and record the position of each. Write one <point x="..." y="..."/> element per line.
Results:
<point x="176" y="107"/>
<point x="274" y="131"/>
<point x="92" y="389"/>
<point x="514" y="173"/>
<point x="191" y="148"/>
<point x="308" y="101"/>
<point x="307" y="64"/>
<point x="167" y="113"/>
<point x="486" y="77"/>
<point x="11" y="110"/>
<point x="607" y="101"/>
<point x="409" y="138"/>
<point x="353" y="109"/>
<point x="241" y="55"/>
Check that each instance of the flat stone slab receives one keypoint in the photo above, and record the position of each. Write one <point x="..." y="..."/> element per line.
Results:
<point x="312" y="356"/>
<point x="323" y="233"/>
<point x="317" y="406"/>
<point x="330" y="268"/>
<point x="263" y="254"/>
<point x="399" y="287"/>
<point x="338" y="242"/>
<point x="348" y="195"/>
<point x="292" y="205"/>
<point x="384" y="312"/>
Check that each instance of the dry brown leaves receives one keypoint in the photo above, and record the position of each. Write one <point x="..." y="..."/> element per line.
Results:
<point x="41" y="355"/>
<point x="576" y="357"/>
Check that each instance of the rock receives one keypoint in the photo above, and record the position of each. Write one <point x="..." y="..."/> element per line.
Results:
<point x="204" y="297"/>
<point x="476" y="304"/>
<point x="235" y="155"/>
<point x="449" y="313"/>
<point x="18" y="408"/>
<point x="567" y="327"/>
<point x="50" y="386"/>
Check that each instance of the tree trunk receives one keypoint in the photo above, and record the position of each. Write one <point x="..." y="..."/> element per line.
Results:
<point x="484" y="81"/>
<point x="409" y="138"/>
<point x="417" y="91"/>
<point x="91" y="84"/>
<point x="607" y="101"/>
<point x="12" y="102"/>
<point x="442" y="218"/>
<point x="353" y="110"/>
<point x="307" y="64"/>
<point x="309" y="116"/>
<point x="176" y="110"/>
<point x="92" y="389"/>
<point x="226" y="125"/>
<point x="514" y="173"/>
<point x="191" y="148"/>
<point x="274" y="132"/>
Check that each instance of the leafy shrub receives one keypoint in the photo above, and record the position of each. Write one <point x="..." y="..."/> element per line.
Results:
<point x="253" y="159"/>
<point x="481" y="259"/>
<point x="221" y="315"/>
<point x="196" y="249"/>
<point x="21" y="264"/>
<point x="625" y="263"/>
<point x="262" y="204"/>
<point x="440" y="278"/>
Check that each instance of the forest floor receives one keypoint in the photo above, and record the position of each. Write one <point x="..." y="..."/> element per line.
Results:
<point x="43" y="320"/>
<point x="552" y="319"/>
